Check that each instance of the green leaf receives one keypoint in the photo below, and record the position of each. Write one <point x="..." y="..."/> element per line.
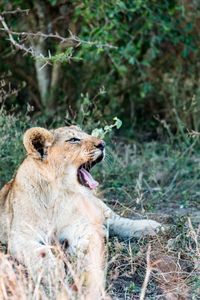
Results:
<point x="107" y="128"/>
<point x="118" y="122"/>
<point x="98" y="133"/>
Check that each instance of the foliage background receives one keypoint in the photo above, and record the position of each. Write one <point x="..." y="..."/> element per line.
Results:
<point x="151" y="75"/>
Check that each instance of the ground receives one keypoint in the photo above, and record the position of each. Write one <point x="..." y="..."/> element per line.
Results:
<point x="147" y="180"/>
<point x="160" y="181"/>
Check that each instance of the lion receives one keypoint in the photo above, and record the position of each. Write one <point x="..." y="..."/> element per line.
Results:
<point x="52" y="195"/>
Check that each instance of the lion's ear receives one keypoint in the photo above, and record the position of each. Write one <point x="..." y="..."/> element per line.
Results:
<point x="75" y="127"/>
<point x="37" y="140"/>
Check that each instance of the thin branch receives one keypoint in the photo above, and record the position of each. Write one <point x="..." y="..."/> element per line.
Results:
<point x="194" y="236"/>
<point x="148" y="272"/>
<point x="12" y="12"/>
<point x="72" y="38"/>
<point x="193" y="133"/>
<point x="147" y="275"/>
<point x="6" y="94"/>
<point x="17" y="45"/>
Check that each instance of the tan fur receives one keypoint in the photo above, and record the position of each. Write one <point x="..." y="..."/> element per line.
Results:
<point x="46" y="200"/>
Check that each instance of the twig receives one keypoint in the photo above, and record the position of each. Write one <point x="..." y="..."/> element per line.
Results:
<point x="147" y="275"/>
<point x="148" y="272"/>
<point x="17" y="45"/>
<point x="169" y="188"/>
<point x="18" y="10"/>
<point x="4" y="95"/>
<point x="148" y="186"/>
<point x="193" y="133"/>
<point x="194" y="236"/>
<point x="72" y="38"/>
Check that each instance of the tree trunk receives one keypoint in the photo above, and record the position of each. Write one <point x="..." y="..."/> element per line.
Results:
<point x="45" y="19"/>
<point x="41" y="20"/>
<point x="42" y="72"/>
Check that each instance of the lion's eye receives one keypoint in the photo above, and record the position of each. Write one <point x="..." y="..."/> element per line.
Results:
<point x="73" y="140"/>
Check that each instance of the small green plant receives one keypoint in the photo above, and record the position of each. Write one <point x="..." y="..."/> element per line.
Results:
<point x="132" y="288"/>
<point x="101" y="132"/>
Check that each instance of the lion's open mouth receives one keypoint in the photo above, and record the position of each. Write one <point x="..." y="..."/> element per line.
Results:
<point x="84" y="176"/>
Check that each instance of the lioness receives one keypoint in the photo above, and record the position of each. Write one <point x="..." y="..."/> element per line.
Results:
<point x="52" y="194"/>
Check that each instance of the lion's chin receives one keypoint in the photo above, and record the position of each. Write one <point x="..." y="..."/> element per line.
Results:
<point x="84" y="176"/>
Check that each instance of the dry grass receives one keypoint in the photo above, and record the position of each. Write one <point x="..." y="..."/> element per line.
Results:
<point x="155" y="268"/>
<point x="160" y="181"/>
<point x="16" y="282"/>
<point x="149" y="268"/>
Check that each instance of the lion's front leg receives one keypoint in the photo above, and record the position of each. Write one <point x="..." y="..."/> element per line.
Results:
<point x="86" y="242"/>
<point x="124" y="227"/>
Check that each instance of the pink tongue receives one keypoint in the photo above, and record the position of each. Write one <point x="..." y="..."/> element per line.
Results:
<point x="88" y="178"/>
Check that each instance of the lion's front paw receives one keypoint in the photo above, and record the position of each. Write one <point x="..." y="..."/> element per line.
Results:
<point x="147" y="227"/>
<point x="154" y="227"/>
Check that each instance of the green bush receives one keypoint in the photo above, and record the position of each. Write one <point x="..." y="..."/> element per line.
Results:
<point x="152" y="71"/>
<point x="12" y="151"/>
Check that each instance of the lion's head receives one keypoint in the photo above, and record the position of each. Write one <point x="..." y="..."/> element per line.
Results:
<point x="66" y="147"/>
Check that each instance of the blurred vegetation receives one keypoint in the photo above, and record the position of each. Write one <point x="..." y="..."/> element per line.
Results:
<point x="150" y="76"/>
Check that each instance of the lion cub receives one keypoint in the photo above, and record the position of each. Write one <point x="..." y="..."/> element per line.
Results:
<point x="52" y="193"/>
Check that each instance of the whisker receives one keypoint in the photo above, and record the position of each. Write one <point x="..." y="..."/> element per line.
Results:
<point x="109" y="154"/>
<point x="92" y="151"/>
<point x="107" y="162"/>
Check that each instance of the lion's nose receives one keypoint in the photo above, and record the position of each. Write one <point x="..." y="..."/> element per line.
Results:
<point x="101" y="145"/>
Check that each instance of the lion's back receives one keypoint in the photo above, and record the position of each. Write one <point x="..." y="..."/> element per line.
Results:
<point x="5" y="211"/>
<point x="4" y="192"/>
